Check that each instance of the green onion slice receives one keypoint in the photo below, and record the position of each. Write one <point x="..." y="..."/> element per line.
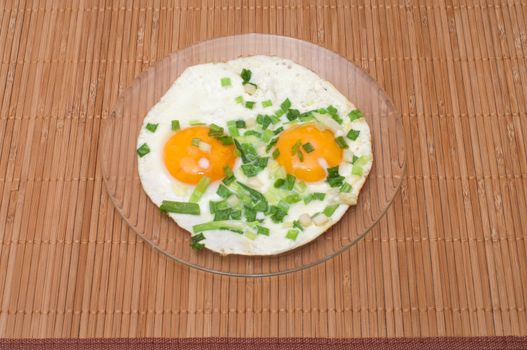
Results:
<point x="341" y="142"/>
<point x="308" y="147"/>
<point x="196" y="141"/>
<point x="175" y="125"/>
<point x="330" y="209"/>
<point x="355" y="114"/>
<point x="151" y="127"/>
<point x="225" y="82"/>
<point x="143" y="150"/>
<point x="292" y="234"/>
<point x="246" y="75"/>
<point x="200" y="189"/>
<point x="219" y="225"/>
<point x="195" y="241"/>
<point x="180" y="207"/>
<point x="267" y="103"/>
<point x="353" y="134"/>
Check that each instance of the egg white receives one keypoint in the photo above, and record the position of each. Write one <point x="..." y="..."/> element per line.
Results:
<point x="197" y="95"/>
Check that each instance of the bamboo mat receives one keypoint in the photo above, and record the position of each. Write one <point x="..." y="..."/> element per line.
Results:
<point x="449" y="258"/>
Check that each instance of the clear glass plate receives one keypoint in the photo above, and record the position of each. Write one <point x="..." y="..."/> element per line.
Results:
<point x="119" y="160"/>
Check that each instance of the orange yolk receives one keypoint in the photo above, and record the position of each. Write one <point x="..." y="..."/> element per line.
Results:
<point x="189" y="163"/>
<point x="324" y="146"/>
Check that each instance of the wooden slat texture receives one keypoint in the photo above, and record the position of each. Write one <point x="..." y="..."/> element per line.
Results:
<point x="449" y="258"/>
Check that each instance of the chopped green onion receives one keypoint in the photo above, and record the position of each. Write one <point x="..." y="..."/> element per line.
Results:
<point x="236" y="214"/>
<point x="334" y="179"/>
<point x="353" y="134"/>
<point x="308" y="147"/>
<point x="151" y="127"/>
<point x="330" y="209"/>
<point x="249" y="104"/>
<point x="290" y="182"/>
<point x="345" y="188"/>
<point x="218" y="225"/>
<point x="229" y="175"/>
<point x="247" y="151"/>
<point x="300" y="186"/>
<point x="240" y="124"/>
<point x="180" y="207"/>
<point x="296" y="150"/>
<point x="267" y="103"/>
<point x="300" y="155"/>
<point x="274" y="195"/>
<point x="223" y="191"/>
<point x="253" y="133"/>
<point x="200" y="189"/>
<point x="278" y="130"/>
<point x="226" y="140"/>
<point x="195" y="122"/>
<point x="267" y="135"/>
<point x="196" y="141"/>
<point x="274" y="119"/>
<point x="296" y="146"/>
<point x="285" y="105"/>
<point x="341" y="142"/>
<point x="175" y="125"/>
<point x="271" y="144"/>
<point x="277" y="213"/>
<point x="194" y="241"/>
<point x="355" y="114"/>
<point x="292" y="234"/>
<point x="215" y="130"/>
<point x="276" y="153"/>
<point x="239" y="99"/>
<point x="307" y="116"/>
<point x="246" y="75"/>
<point x="262" y="230"/>
<point x="316" y="196"/>
<point x="225" y="82"/>
<point x="362" y="160"/>
<point x="266" y="122"/>
<point x="250" y="214"/>
<point x="223" y="214"/>
<point x="263" y="120"/>
<point x="293" y="114"/>
<point x="297" y="225"/>
<point x="358" y="163"/>
<point x="334" y="114"/>
<point x="357" y="170"/>
<point x="143" y="150"/>
<point x="250" y="197"/>
<point x="279" y="183"/>
<point x="233" y="129"/>
<point x="250" y="235"/>
<point x="215" y="206"/>
<point x="252" y="169"/>
<point x="279" y="113"/>
<point x="292" y="198"/>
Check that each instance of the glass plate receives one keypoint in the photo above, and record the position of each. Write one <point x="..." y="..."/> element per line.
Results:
<point x="119" y="160"/>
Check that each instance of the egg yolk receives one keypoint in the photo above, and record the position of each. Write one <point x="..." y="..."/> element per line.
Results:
<point x="324" y="147"/>
<point x="188" y="163"/>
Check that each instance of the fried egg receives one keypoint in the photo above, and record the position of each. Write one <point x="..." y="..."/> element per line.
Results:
<point x="254" y="156"/>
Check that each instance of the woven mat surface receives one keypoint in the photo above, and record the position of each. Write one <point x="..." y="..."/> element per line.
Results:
<point x="449" y="258"/>
<point x="481" y="343"/>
